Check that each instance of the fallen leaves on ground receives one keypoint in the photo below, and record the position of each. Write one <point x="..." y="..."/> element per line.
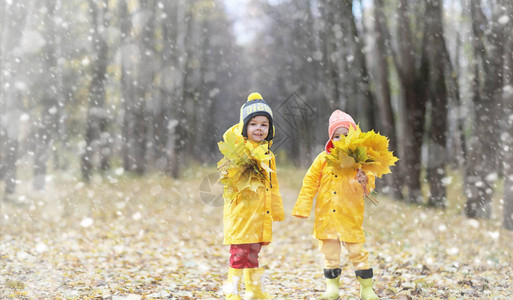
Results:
<point x="156" y="238"/>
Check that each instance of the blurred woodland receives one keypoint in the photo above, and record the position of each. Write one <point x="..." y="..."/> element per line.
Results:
<point x="144" y="86"/>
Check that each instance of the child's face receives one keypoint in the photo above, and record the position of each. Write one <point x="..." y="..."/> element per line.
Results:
<point x="258" y="128"/>
<point x="341" y="131"/>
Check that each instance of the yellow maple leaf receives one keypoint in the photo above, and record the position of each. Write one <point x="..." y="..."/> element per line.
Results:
<point x="365" y="150"/>
<point x="244" y="167"/>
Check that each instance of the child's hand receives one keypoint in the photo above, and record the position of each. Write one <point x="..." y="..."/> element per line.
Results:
<point x="361" y="177"/>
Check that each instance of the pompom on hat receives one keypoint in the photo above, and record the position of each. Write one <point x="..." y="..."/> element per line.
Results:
<point x="338" y="119"/>
<point x="254" y="96"/>
<point x="256" y="106"/>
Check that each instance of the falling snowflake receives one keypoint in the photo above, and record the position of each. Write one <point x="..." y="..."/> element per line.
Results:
<point x="41" y="248"/>
<point x="86" y="222"/>
<point x="504" y="19"/>
<point x="137" y="216"/>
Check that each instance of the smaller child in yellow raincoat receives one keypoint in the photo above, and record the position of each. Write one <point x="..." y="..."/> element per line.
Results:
<point x="248" y="217"/>
<point x="339" y="212"/>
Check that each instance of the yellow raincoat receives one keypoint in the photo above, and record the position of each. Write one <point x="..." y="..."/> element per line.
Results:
<point x="339" y="205"/>
<point x="248" y="218"/>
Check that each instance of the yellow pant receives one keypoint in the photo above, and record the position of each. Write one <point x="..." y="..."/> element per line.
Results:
<point x="331" y="249"/>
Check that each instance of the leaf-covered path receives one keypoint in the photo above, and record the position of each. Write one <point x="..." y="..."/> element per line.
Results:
<point x="155" y="238"/>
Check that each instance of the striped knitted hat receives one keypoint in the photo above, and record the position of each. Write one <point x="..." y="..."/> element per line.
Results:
<point x="256" y="106"/>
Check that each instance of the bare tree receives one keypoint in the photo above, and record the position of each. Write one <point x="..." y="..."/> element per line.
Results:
<point x="481" y="167"/>
<point x="343" y="56"/>
<point x="383" y="94"/>
<point x="438" y="97"/>
<point x="145" y="77"/>
<point x="2" y="83"/>
<point x="96" y="136"/>
<point x="214" y="76"/>
<point x="47" y="123"/>
<point x="302" y="74"/>
<point x="60" y="137"/>
<point x="166" y="74"/>
<point x="365" y="100"/>
<point x="183" y="92"/>
<point x="127" y="89"/>
<point x="161" y="109"/>
<point x="328" y="47"/>
<point x="172" y="76"/>
<point x="412" y="68"/>
<point x="508" y="116"/>
<point x="14" y="18"/>
<point x="458" y="143"/>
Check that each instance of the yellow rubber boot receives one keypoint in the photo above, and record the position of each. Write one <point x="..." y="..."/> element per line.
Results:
<point x="232" y="288"/>
<point x="332" y="284"/>
<point x="253" y="282"/>
<point x="332" y="289"/>
<point x="366" y="290"/>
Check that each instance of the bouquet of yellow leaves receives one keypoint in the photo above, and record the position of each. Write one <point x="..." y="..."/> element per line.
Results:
<point x="366" y="151"/>
<point x="243" y="167"/>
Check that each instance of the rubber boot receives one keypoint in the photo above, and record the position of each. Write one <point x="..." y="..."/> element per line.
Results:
<point x="332" y="284"/>
<point x="232" y="287"/>
<point x="253" y="282"/>
<point x="365" y="279"/>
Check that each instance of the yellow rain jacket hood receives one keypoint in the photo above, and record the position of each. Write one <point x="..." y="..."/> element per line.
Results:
<point x="248" y="218"/>
<point x="339" y="206"/>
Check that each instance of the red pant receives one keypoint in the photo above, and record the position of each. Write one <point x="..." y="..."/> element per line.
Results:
<point x="244" y="255"/>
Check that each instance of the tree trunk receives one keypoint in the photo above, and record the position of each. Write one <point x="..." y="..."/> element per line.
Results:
<point x="438" y="93"/>
<point x="170" y="77"/>
<point x="143" y="89"/>
<point x="60" y="138"/>
<point x="383" y="97"/>
<point x="162" y="107"/>
<point x="181" y="116"/>
<point x="415" y="100"/>
<point x="202" y="103"/>
<point x="343" y="56"/>
<point x="301" y="73"/>
<point x="161" y="118"/>
<point x="3" y="32"/>
<point x="13" y="24"/>
<point x="413" y="80"/>
<point x="127" y="90"/>
<point x="47" y="122"/>
<point x="206" y="142"/>
<point x="481" y="170"/>
<point x="11" y="157"/>
<point x="41" y="154"/>
<point x="459" y="144"/>
<point x="96" y="137"/>
<point x="365" y="98"/>
<point x="331" y="78"/>
<point x="140" y="135"/>
<point x="12" y="123"/>
<point x="508" y="140"/>
<point x="508" y="154"/>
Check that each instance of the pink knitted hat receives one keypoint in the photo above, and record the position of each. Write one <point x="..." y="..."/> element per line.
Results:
<point x="338" y="119"/>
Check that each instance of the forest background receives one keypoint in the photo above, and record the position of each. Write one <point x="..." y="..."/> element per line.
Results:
<point x="99" y="93"/>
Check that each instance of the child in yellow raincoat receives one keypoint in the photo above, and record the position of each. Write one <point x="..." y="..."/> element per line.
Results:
<point x="339" y="211"/>
<point x="248" y="218"/>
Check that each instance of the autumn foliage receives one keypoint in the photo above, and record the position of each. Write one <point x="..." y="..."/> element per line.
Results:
<point x="244" y="167"/>
<point x="367" y="151"/>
